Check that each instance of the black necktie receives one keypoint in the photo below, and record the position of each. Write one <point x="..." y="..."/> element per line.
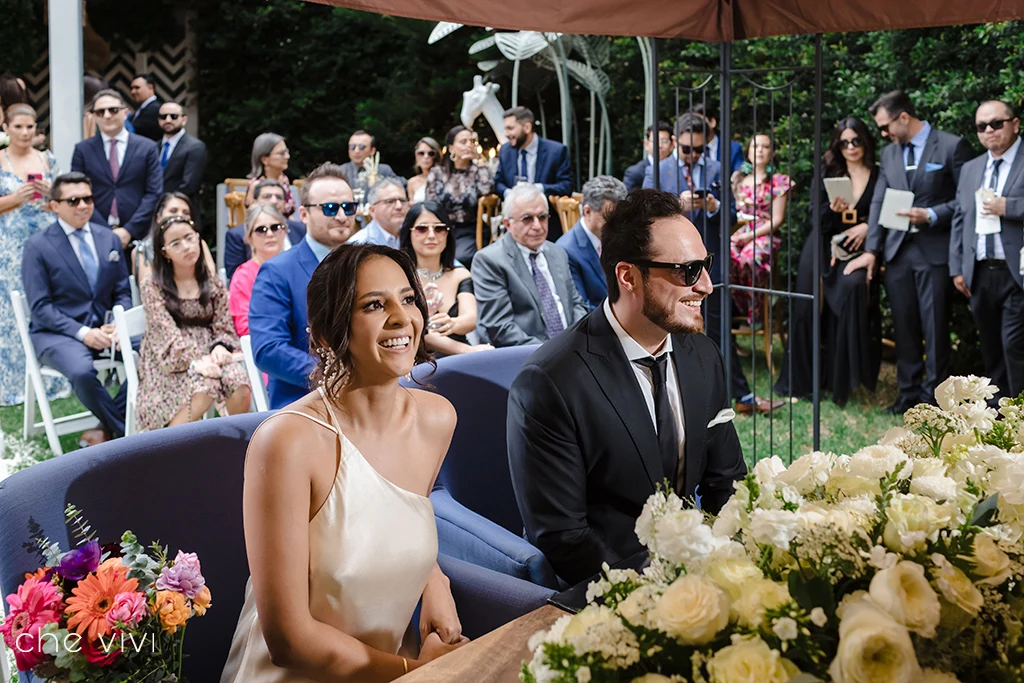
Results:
<point x="911" y="162"/>
<point x="993" y="183"/>
<point x="665" y="421"/>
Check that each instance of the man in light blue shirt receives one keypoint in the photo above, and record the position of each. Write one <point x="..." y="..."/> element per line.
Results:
<point x="388" y="206"/>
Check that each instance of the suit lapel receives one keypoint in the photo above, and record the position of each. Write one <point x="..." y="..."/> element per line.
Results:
<point x="100" y="148"/>
<point x="540" y="166"/>
<point x="694" y="404"/>
<point x="1015" y="171"/>
<point x="130" y="150"/>
<point x="62" y="244"/>
<point x="515" y="257"/>
<point x="560" y="277"/>
<point x="614" y="375"/>
<point x="593" y="261"/>
<point x="179" y="150"/>
<point x="307" y="258"/>
<point x="898" y="180"/>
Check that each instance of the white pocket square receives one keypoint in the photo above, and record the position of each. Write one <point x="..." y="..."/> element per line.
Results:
<point x="724" y="415"/>
<point x="113" y="256"/>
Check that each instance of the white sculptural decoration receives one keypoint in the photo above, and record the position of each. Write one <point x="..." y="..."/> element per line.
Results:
<point x="482" y="100"/>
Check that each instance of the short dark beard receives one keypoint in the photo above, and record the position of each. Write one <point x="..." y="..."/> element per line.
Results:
<point x="661" y="316"/>
<point x="520" y="140"/>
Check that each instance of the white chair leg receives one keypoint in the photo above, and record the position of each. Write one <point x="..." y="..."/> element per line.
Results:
<point x="29" y="428"/>
<point x="44" y="410"/>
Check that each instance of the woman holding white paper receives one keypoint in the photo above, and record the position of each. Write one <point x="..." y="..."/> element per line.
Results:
<point x="850" y="320"/>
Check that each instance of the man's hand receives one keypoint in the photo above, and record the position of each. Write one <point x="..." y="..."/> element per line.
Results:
<point x="994" y="207"/>
<point x="690" y="201"/>
<point x="97" y="340"/>
<point x="711" y="203"/>
<point x="865" y="260"/>
<point x="917" y="215"/>
<point x="124" y="235"/>
<point x="961" y="285"/>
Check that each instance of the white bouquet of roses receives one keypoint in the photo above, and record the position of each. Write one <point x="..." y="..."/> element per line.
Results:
<point x="5" y="140"/>
<point x="901" y="563"/>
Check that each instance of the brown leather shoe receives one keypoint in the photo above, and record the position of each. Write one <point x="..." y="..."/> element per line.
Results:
<point x="761" y="405"/>
<point x="93" y="437"/>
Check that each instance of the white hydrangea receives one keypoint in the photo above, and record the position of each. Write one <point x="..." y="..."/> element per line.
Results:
<point x="598" y="629"/>
<point x="774" y="527"/>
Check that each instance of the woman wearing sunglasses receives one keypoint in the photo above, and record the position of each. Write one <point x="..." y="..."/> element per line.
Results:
<point x="457" y="184"/>
<point x="426" y="237"/>
<point x="265" y="230"/>
<point x="428" y="155"/>
<point x="169" y="204"/>
<point x="190" y="358"/>
<point x="850" y="319"/>
<point x="270" y="157"/>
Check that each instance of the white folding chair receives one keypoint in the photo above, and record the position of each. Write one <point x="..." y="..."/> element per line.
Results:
<point x="222" y="273"/>
<point x="130" y="324"/>
<point x="136" y="297"/>
<point x="35" y="388"/>
<point x="259" y="390"/>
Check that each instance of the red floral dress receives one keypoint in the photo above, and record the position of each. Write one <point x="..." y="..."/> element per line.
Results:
<point x="751" y="266"/>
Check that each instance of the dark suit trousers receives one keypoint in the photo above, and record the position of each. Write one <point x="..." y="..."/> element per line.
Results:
<point x="997" y="302"/>
<point x="465" y="243"/>
<point x="73" y="359"/>
<point x="920" y="297"/>
<point x="712" y="322"/>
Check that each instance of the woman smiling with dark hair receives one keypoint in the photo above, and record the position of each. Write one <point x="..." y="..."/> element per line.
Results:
<point x="850" y="320"/>
<point x="339" y="531"/>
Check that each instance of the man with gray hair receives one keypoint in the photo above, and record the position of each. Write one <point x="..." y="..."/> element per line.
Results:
<point x="524" y="288"/>
<point x="388" y="205"/>
<point x="601" y="195"/>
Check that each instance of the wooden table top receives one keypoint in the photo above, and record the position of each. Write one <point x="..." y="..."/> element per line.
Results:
<point x="496" y="657"/>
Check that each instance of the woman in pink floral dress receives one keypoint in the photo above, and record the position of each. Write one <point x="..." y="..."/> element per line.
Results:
<point x="760" y="199"/>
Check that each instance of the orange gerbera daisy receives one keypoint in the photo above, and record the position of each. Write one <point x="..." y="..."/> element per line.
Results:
<point x="94" y="596"/>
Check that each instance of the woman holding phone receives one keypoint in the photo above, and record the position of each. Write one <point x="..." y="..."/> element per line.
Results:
<point x="25" y="175"/>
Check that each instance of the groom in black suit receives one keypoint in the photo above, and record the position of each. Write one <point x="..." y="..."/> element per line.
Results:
<point x="630" y="396"/>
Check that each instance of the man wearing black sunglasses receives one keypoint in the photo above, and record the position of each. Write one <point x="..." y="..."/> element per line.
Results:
<point x="985" y="264"/>
<point x="182" y="156"/>
<point x="630" y="396"/>
<point x="361" y="146"/>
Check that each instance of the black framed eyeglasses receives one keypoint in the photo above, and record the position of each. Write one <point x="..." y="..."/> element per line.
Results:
<point x="172" y="117"/>
<point x="690" y="271"/>
<point x="854" y="142"/>
<point x="994" y="124"/>
<point x="264" y="229"/>
<point x="331" y="209"/>
<point x="884" y="128"/>
<point x="74" y="201"/>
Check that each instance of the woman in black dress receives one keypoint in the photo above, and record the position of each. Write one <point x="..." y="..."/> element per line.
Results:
<point x="851" y="337"/>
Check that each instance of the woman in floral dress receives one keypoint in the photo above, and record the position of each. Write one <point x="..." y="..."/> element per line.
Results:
<point x="23" y="213"/>
<point x="761" y="196"/>
<point x="190" y="355"/>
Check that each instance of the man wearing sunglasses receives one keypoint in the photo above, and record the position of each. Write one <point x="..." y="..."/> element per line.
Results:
<point x="277" y="310"/>
<point x="986" y="263"/>
<point x="125" y="169"/>
<point x="361" y="146"/>
<point x="629" y="397"/>
<point x="927" y="162"/>
<point x="182" y="156"/>
<point x="236" y="250"/>
<point x="388" y="207"/>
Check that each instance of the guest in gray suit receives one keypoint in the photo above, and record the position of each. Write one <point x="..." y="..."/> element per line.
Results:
<point x="524" y="288"/>
<point x="926" y="162"/>
<point x="986" y="268"/>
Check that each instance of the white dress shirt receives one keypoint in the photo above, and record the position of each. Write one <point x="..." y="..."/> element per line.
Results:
<point x="531" y="159"/>
<point x="595" y="241"/>
<point x="711" y="148"/>
<point x="986" y="180"/>
<point x="76" y="244"/>
<point x="633" y="352"/>
<point x="542" y="265"/>
<point x="173" y="140"/>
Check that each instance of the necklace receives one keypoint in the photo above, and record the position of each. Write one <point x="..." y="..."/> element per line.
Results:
<point x="428" y="276"/>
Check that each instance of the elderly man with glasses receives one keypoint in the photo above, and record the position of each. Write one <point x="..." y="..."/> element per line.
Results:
<point x="388" y="205"/>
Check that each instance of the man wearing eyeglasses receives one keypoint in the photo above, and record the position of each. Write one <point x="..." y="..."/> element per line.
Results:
<point x="388" y="207"/>
<point x="631" y="396"/>
<point x="361" y="146"/>
<point x="633" y="178"/>
<point x="985" y="254"/>
<point x="74" y="273"/>
<point x="523" y="284"/>
<point x="125" y="170"/>
<point x="927" y="162"/>
<point x="182" y="156"/>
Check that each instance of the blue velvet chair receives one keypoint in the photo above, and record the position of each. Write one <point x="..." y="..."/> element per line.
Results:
<point x="478" y="519"/>
<point x="183" y="487"/>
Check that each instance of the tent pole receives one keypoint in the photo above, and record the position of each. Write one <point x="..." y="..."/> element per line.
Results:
<point x="816" y="221"/>
<point x="725" y="138"/>
<point x="655" y="155"/>
<point x="66" y="69"/>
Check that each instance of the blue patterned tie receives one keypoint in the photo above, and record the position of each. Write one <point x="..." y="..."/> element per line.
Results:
<point x="89" y="264"/>
<point x="552" y="321"/>
<point x="524" y="170"/>
<point x="163" y="158"/>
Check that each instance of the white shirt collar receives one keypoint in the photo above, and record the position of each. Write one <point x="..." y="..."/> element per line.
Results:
<point x="526" y="251"/>
<point x="121" y="137"/>
<point x="68" y="229"/>
<point x="531" y="148"/>
<point x="146" y="103"/>
<point x="712" y="147"/>
<point x="594" y="239"/>
<point x="632" y="348"/>
<point x="176" y="138"/>
<point x="1007" y="157"/>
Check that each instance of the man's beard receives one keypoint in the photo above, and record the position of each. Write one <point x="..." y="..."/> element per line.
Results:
<point x="662" y="316"/>
<point x="519" y="140"/>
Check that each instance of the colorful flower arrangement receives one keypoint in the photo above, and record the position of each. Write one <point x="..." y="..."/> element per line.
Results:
<point x="113" y="613"/>
<point x="901" y="563"/>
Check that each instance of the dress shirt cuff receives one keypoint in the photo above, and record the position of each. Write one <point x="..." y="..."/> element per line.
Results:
<point x="932" y="217"/>
<point x="80" y="335"/>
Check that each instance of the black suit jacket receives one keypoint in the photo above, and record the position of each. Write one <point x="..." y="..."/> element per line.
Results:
<point x="146" y="121"/>
<point x="583" y="451"/>
<point x="934" y="187"/>
<point x="633" y="178"/>
<point x="237" y="252"/>
<point x="185" y="167"/>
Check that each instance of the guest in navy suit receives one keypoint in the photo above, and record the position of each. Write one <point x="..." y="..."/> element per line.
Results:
<point x="236" y="250"/>
<point x="714" y="142"/>
<point x="127" y="184"/>
<point x="529" y="158"/>
<point x="277" y="310"/>
<point x="145" y="120"/>
<point x="583" y="243"/>
<point x="634" y="175"/>
<point x="74" y="272"/>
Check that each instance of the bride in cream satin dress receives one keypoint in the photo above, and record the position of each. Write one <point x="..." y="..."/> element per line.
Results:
<point x="371" y="552"/>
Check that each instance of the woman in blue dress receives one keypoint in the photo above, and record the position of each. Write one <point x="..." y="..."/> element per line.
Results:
<point x="23" y="213"/>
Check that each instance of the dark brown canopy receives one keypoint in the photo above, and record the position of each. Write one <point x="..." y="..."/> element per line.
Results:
<point x="711" y="21"/>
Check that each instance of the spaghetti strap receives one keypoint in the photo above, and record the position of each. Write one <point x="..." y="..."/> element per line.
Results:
<point x="330" y="408"/>
<point x="309" y="417"/>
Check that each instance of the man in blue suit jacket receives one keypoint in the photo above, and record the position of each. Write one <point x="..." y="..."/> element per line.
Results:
<point x="601" y="195"/>
<point x="527" y="157"/>
<point x="236" y="250"/>
<point x="634" y="175"/>
<point x="75" y="272"/>
<point x="277" y="310"/>
<point x="714" y="142"/>
<point x="126" y="189"/>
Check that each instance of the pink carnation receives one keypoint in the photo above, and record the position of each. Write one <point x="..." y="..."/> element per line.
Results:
<point x="129" y="608"/>
<point x="184" y="576"/>
<point x="36" y="604"/>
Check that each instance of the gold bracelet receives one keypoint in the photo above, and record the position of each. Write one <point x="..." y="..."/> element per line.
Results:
<point x="405" y="663"/>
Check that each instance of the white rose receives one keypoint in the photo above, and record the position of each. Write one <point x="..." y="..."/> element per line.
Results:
<point x="911" y="521"/>
<point x="936" y="676"/>
<point x="956" y="587"/>
<point x="750" y="660"/>
<point x="990" y="561"/>
<point x="732" y="575"/>
<point x="693" y="610"/>
<point x="774" y="527"/>
<point x="873" y="647"/>
<point x="977" y="415"/>
<point x="768" y="469"/>
<point x="808" y="472"/>
<point x="936" y="488"/>
<point x="785" y="628"/>
<point x="903" y="591"/>
<point x="756" y="597"/>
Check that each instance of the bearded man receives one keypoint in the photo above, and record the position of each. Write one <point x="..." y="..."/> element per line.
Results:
<point x="631" y="396"/>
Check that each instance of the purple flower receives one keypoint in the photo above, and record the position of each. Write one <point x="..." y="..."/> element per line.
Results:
<point x="184" y="576"/>
<point x="76" y="564"/>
